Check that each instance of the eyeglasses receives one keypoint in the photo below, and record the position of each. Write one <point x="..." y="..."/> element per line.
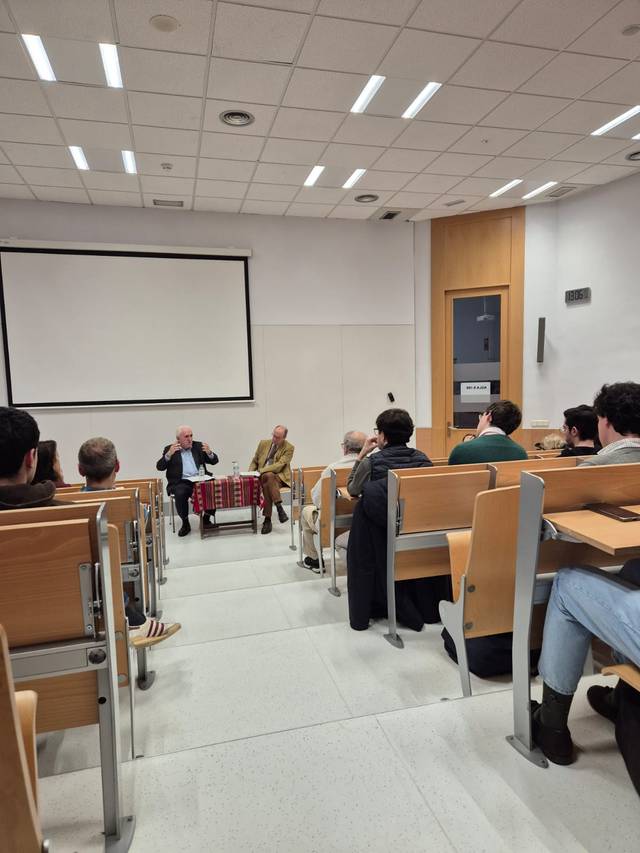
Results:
<point x="376" y="431"/>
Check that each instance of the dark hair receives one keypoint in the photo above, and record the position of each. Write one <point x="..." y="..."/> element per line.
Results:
<point x="505" y="415"/>
<point x="584" y="419"/>
<point x="19" y="433"/>
<point x="620" y="405"/>
<point x="47" y="451"/>
<point x="396" y="424"/>
<point x="97" y="458"/>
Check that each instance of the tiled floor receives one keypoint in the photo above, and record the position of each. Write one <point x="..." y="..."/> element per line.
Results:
<point x="274" y="727"/>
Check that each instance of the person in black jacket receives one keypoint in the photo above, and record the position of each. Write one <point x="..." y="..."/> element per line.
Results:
<point x="580" y="431"/>
<point x="181" y="460"/>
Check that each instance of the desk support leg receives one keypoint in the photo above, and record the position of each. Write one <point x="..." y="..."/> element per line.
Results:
<point x="452" y="616"/>
<point x="294" y="491"/>
<point x="333" y="589"/>
<point x="392" y="522"/>
<point x="146" y="677"/>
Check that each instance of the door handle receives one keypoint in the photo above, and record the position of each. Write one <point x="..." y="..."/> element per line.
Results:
<point x="449" y="427"/>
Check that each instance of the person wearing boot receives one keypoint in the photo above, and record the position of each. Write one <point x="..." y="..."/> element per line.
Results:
<point x="272" y="461"/>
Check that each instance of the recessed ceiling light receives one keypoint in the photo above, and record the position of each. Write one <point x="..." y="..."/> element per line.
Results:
<point x="616" y="121"/>
<point x="236" y="118"/>
<point x="129" y="162"/>
<point x="506" y="187"/>
<point x="164" y="23"/>
<point x="39" y="56"/>
<point x="111" y="64"/>
<point x="364" y="98"/>
<point x="313" y="176"/>
<point x="421" y="99"/>
<point x="634" y="155"/>
<point x="366" y="198"/>
<point x="541" y="189"/>
<point x="631" y="30"/>
<point x="353" y="179"/>
<point x="78" y="157"/>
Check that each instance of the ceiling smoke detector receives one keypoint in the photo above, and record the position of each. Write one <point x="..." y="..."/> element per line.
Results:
<point x="367" y="198"/>
<point x="634" y="156"/>
<point x="164" y="23"/>
<point x="236" y="118"/>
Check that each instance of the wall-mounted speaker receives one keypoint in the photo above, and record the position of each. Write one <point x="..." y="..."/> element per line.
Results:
<point x="541" y="324"/>
<point x="391" y="398"/>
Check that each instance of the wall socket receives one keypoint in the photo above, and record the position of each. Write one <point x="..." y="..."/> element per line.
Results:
<point x="539" y="424"/>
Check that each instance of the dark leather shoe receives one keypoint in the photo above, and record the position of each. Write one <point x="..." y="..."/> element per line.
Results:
<point x="601" y="700"/>
<point x="556" y="744"/>
<point x="282" y="515"/>
<point x="207" y="523"/>
<point x="266" y="526"/>
<point x="185" y="529"/>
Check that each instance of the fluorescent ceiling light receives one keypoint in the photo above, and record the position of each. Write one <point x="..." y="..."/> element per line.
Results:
<point x="109" y="54"/>
<point x="418" y="102"/>
<point x="313" y="176"/>
<point x="353" y="178"/>
<point x="39" y="57"/>
<point x="616" y="121"/>
<point x="363" y="99"/>
<point x="541" y="189"/>
<point x="506" y="187"/>
<point x="78" y="157"/>
<point x="129" y="161"/>
<point x="637" y="136"/>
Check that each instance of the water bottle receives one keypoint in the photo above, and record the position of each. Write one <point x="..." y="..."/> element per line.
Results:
<point x="236" y="469"/>
<point x="201" y="471"/>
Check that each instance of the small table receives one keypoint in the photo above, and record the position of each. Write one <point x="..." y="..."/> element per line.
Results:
<point x="227" y="492"/>
<point x="607" y="534"/>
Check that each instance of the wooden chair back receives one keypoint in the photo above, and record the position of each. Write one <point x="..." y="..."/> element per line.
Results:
<point x="571" y="490"/>
<point x="508" y="473"/>
<point x="344" y="506"/>
<point x="439" y="501"/>
<point x="441" y="469"/>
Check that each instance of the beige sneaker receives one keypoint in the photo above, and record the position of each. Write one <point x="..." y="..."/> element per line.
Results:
<point x="152" y="632"/>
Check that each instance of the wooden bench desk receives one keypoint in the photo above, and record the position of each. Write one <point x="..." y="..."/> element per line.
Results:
<point x="618" y="538"/>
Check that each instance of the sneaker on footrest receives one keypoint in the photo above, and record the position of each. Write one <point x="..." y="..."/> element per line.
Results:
<point x="312" y="564"/>
<point x="152" y="632"/>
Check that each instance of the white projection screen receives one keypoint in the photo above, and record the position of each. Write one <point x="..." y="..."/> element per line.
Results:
<point x="85" y="328"/>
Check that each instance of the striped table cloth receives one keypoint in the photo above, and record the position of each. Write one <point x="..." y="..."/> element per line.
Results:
<point x="226" y="493"/>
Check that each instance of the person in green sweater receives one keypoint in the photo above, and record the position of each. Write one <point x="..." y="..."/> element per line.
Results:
<point x="492" y="442"/>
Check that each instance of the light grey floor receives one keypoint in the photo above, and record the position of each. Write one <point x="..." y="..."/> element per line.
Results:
<point x="274" y="727"/>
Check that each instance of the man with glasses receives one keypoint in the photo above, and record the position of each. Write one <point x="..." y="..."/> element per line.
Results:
<point x="272" y="461"/>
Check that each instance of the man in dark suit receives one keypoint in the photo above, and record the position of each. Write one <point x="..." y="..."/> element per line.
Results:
<point x="180" y="460"/>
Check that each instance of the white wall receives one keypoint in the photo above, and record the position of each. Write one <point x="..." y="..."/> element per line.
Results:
<point x="332" y="310"/>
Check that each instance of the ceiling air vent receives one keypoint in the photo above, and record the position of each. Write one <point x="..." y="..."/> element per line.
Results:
<point x="453" y="203"/>
<point x="168" y="202"/>
<point x="563" y="190"/>
<point x="390" y="214"/>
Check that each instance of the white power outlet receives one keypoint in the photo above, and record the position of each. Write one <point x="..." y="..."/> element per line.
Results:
<point x="539" y="424"/>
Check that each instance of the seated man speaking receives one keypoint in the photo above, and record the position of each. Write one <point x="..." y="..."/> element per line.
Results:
<point x="272" y="460"/>
<point x="181" y="460"/>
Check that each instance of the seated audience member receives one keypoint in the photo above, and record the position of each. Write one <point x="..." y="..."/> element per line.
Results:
<point x="386" y="449"/>
<point x="618" y="410"/>
<point x="469" y="436"/>
<point x="553" y="441"/>
<point x="181" y="460"/>
<point x="580" y="430"/>
<point x="19" y="436"/>
<point x="98" y="464"/>
<point x="48" y="467"/>
<point x="492" y="442"/>
<point x="352" y="444"/>
<point x="272" y="460"/>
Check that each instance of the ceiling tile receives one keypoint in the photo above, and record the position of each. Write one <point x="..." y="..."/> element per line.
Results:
<point x="61" y="194"/>
<point x="550" y="23"/>
<point x="112" y="181"/>
<point x="553" y="170"/>
<point x="162" y="72"/>
<point x="220" y="189"/>
<point x="292" y="151"/>
<point x="98" y="134"/>
<point x="334" y="176"/>
<point x="165" y="110"/>
<point x="394" y="96"/>
<point x="373" y="179"/>
<point x="496" y="203"/>
<point x="374" y="11"/>
<point x="570" y="75"/>
<point x="457" y="164"/>
<point x="429" y="56"/>
<point x="258" y="34"/>
<point x="3" y="159"/>
<point x="414" y="200"/>
<point x="13" y="59"/>
<point x="506" y="168"/>
<point x="525" y="111"/>
<point x="405" y="160"/>
<point x="350" y="198"/>
<point x="285" y="5"/>
<point x="76" y="61"/>
<point x="181" y="167"/>
<point x="460" y="105"/>
<point x="274" y="173"/>
<point x="5" y="22"/>
<point x="231" y="146"/>
<point x="192" y="36"/>
<point x="9" y="175"/>
<point x="89" y="20"/>
<point x="619" y="158"/>
<point x="87" y="102"/>
<point x="164" y="140"/>
<point x="367" y="129"/>
<point x="263" y="117"/>
<point x="119" y="199"/>
<point x="272" y="192"/>
<point x="605" y="38"/>
<point x="353" y="156"/>
<point x="15" y="191"/>
<point x="623" y="87"/>
<point x="219" y="205"/>
<point x="293" y="123"/>
<point x="24" y="154"/>
<point x="583" y="117"/>
<point x="593" y="149"/>
<point x="489" y="140"/>
<point x="478" y="186"/>
<point x="22" y="96"/>
<point x="351" y="211"/>
<point x="171" y="186"/>
<point x="432" y="183"/>
<point x="104" y="160"/>
<point x="602" y="174"/>
<point x="185" y="199"/>
<point x="47" y="177"/>
<point x="233" y="80"/>
<point x="541" y="145"/>
<point x="346" y="45"/>
<point x="502" y="66"/>
<point x="460" y="16"/>
<point x="323" y="90"/>
<point x="430" y="135"/>
<point x="274" y="208"/>
<point x="229" y="170"/>
<point x="316" y="210"/>
<point x="15" y="128"/>
<point x="320" y="195"/>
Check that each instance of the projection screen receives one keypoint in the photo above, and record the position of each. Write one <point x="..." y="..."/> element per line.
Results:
<point x="87" y="328"/>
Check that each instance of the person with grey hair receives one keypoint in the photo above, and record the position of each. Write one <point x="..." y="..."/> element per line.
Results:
<point x="272" y="461"/>
<point x="98" y="464"/>
<point x="352" y="444"/>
